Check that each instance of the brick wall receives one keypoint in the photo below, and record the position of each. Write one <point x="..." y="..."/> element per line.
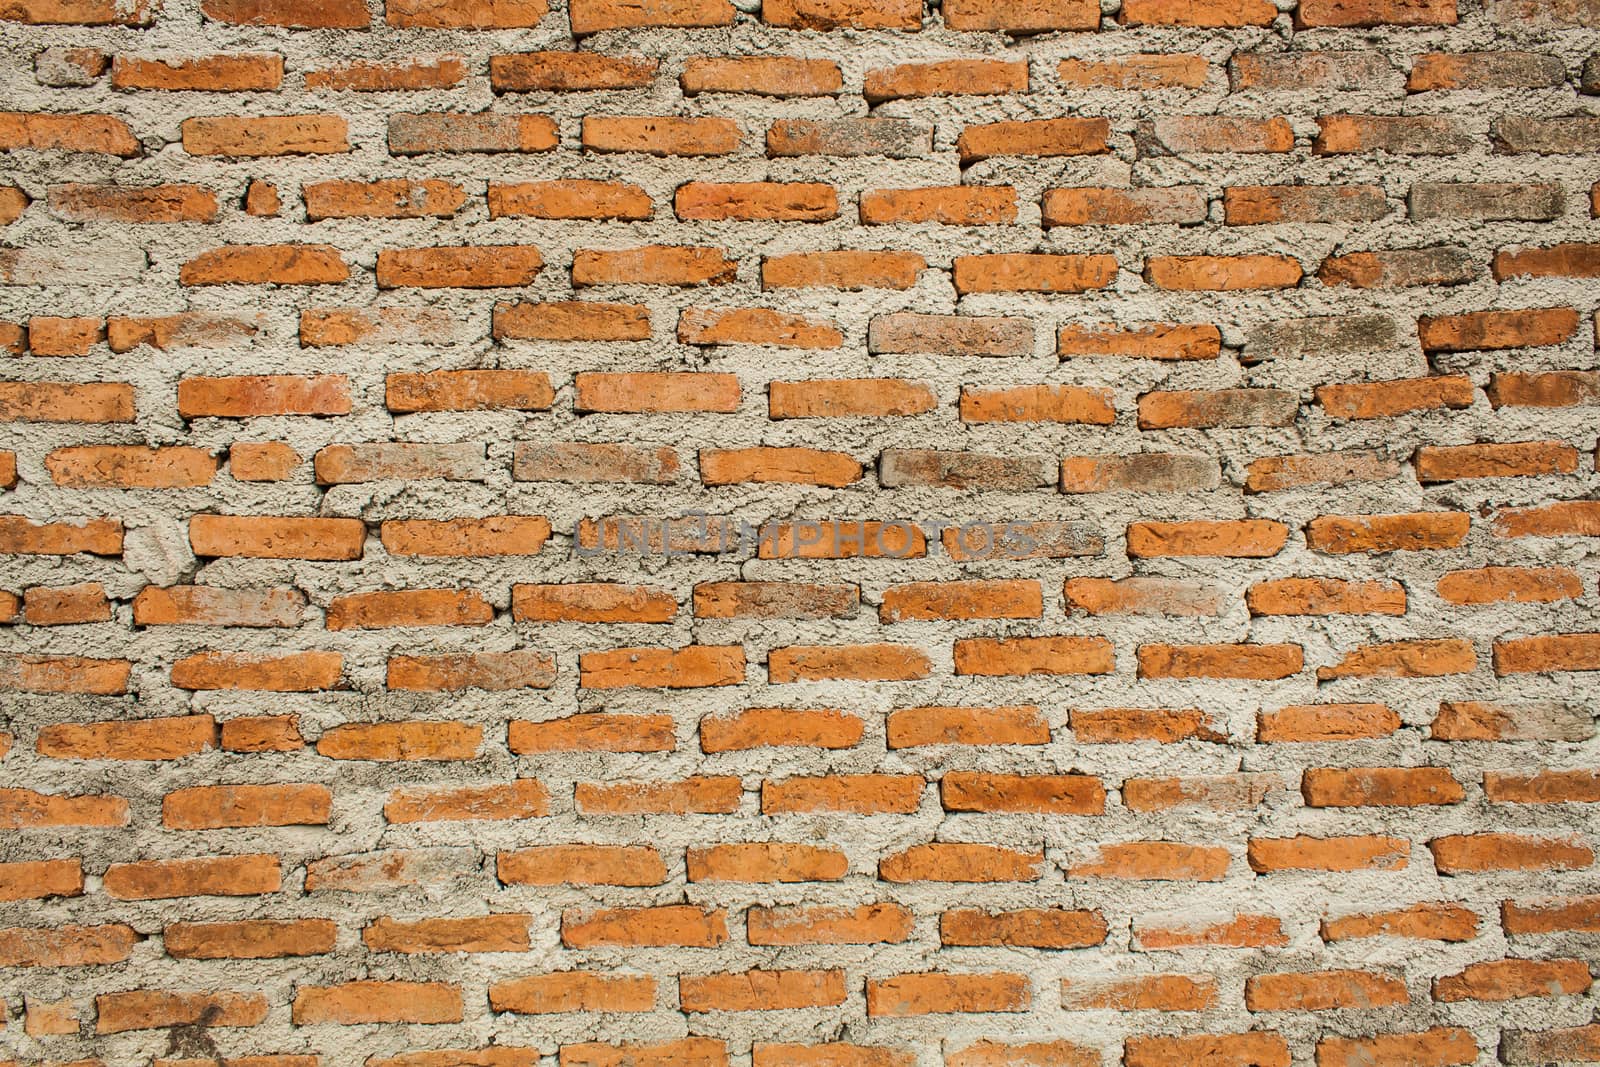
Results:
<point x="1147" y="461"/>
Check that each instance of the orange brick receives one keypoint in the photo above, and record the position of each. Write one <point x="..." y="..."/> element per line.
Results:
<point x="1222" y="273"/>
<point x="101" y="134"/>
<point x="766" y="863"/>
<point x="1269" y="855"/>
<point x="390" y="198"/>
<point x="1257" y="1048"/>
<point x="67" y="946"/>
<point x="762" y="75"/>
<point x="761" y="990"/>
<point x="487" y="933"/>
<point x="841" y="270"/>
<point x="1156" y="992"/>
<point x="1052" y="928"/>
<point x="525" y="798"/>
<point x="662" y="136"/>
<point x="255" y="939"/>
<point x="756" y="201"/>
<point x="952" y="862"/>
<point x="1327" y="722"/>
<point x="664" y="926"/>
<point x="1485" y="852"/>
<point x="1513" y="979"/>
<point x="401" y="741"/>
<point x="953" y="205"/>
<point x="111" y="203"/>
<point x="1418" y="532"/>
<point x="1326" y="596"/>
<point x="635" y="865"/>
<point x="593" y="16"/>
<point x="596" y="731"/>
<point x="459" y="267"/>
<point x="1323" y="991"/>
<point x="226" y="876"/>
<point x="1246" y="538"/>
<point x="364" y="76"/>
<point x="867" y="924"/>
<point x="276" y="135"/>
<point x="702" y="794"/>
<point x="377" y="1001"/>
<point x="1034" y="137"/>
<point x="1246" y="661"/>
<point x="914" y="727"/>
<point x="569" y="991"/>
<point x="861" y="794"/>
<point x="1443" y="1046"/>
<point x="469" y="15"/>
<point x="1033" y="655"/>
<point x="1205" y="13"/>
<point x="569" y="199"/>
<point x="1163" y="861"/>
<point x="1442" y="921"/>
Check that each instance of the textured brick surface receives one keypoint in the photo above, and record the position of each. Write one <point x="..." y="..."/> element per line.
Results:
<point x="803" y="533"/>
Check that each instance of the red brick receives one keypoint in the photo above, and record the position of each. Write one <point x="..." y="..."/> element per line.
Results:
<point x="1113" y="725"/>
<point x="780" y="727"/>
<point x="755" y="326"/>
<point x="1400" y="135"/>
<point x="295" y="672"/>
<point x="1243" y="538"/>
<point x="1326" y="596"/>
<point x="486" y="933"/>
<point x="1222" y="273"/>
<point x="1058" y="794"/>
<point x="860" y="794"/>
<point x="525" y="798"/>
<point x="1053" y="928"/>
<point x="238" y="72"/>
<point x="1022" y="656"/>
<point x="1551" y="389"/>
<point x="276" y="135"/>
<point x="266" y="265"/>
<point x="596" y="732"/>
<point x="1512" y="979"/>
<point x="1376" y="400"/>
<point x="1241" y="931"/>
<point x="633" y="865"/>
<point x="22" y="536"/>
<point x="928" y="993"/>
